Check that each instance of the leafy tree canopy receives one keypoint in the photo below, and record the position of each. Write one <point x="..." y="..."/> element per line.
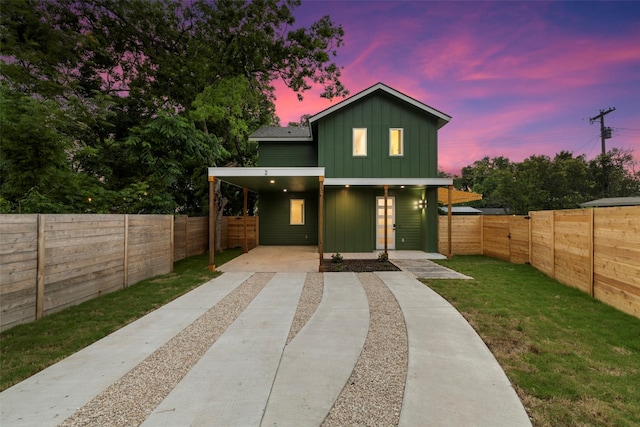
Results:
<point x="542" y="183"/>
<point x="120" y="106"/>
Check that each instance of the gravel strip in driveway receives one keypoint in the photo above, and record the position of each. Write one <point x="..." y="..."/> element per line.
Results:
<point x="373" y="394"/>
<point x="130" y="400"/>
<point x="309" y="301"/>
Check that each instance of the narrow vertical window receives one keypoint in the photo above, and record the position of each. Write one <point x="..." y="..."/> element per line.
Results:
<point x="360" y="141"/>
<point x="395" y="142"/>
<point x="296" y="212"/>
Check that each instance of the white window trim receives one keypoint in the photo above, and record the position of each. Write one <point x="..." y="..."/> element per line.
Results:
<point x="401" y="142"/>
<point x="290" y="210"/>
<point x="353" y="143"/>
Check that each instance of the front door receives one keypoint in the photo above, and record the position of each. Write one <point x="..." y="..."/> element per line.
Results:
<point x="391" y="223"/>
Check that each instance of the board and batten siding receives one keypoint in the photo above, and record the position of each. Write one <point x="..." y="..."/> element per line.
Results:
<point x="378" y="113"/>
<point x="275" y="227"/>
<point x="349" y="222"/>
<point x="288" y="154"/>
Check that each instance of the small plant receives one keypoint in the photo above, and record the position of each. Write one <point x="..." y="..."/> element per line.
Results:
<point x="337" y="257"/>
<point x="383" y="257"/>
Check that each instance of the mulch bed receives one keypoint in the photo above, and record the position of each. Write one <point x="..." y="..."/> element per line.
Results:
<point x="359" y="266"/>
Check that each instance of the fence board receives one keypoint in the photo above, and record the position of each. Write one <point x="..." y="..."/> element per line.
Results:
<point x="495" y="229"/>
<point x="518" y="239"/>
<point x="465" y="238"/>
<point x="572" y="257"/>
<point x="541" y="256"/>
<point x="18" y="269"/>
<point x="82" y="257"/>
<point x="235" y="231"/>
<point x="616" y="242"/>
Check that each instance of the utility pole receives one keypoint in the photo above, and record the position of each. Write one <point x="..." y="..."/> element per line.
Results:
<point x="605" y="132"/>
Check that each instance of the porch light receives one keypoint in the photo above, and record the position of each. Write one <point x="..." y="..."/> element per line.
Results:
<point x="422" y="204"/>
<point x="346" y="186"/>
<point x="273" y="181"/>
<point x="284" y="191"/>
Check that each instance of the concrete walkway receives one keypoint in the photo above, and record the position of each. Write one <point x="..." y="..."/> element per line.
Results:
<point x="306" y="259"/>
<point x="249" y="377"/>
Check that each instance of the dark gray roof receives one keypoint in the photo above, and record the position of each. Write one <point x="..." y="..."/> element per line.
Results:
<point x="613" y="201"/>
<point x="460" y="210"/>
<point x="494" y="211"/>
<point x="277" y="133"/>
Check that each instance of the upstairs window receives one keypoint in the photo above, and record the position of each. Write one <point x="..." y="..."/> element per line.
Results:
<point x="396" y="143"/>
<point x="296" y="212"/>
<point x="360" y="141"/>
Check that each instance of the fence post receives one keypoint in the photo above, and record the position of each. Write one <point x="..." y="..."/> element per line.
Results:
<point x="186" y="236"/>
<point x="40" y="269"/>
<point x="172" y="240"/>
<point x="553" y="244"/>
<point x="481" y="234"/>
<point x="530" y="244"/>
<point x="125" y="260"/>
<point x="591" y="254"/>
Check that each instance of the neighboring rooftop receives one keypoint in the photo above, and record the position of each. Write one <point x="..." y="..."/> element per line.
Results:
<point x="461" y="210"/>
<point x="612" y="201"/>
<point x="494" y="211"/>
<point x="277" y="133"/>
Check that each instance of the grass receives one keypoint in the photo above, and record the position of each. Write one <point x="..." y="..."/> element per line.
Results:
<point x="573" y="360"/>
<point x="29" y="348"/>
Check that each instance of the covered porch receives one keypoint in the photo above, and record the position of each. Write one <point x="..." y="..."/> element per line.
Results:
<point x="311" y="180"/>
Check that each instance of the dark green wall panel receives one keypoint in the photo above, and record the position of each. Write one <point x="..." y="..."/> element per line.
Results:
<point x="349" y="219"/>
<point x="275" y="229"/>
<point x="288" y="154"/>
<point x="378" y="113"/>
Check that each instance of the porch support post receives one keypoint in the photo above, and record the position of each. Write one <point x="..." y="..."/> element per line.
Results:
<point x="449" y="216"/>
<point x="244" y="218"/>
<point x="386" y="220"/>
<point x="212" y="223"/>
<point x="321" y="223"/>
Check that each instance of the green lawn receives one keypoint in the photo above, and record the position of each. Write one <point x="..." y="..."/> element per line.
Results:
<point x="28" y="348"/>
<point x="573" y="360"/>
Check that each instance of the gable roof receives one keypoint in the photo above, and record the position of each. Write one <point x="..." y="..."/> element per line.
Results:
<point x="442" y="118"/>
<point x="277" y="133"/>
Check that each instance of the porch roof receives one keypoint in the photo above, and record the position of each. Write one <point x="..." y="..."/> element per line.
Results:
<point x="307" y="178"/>
<point x="271" y="178"/>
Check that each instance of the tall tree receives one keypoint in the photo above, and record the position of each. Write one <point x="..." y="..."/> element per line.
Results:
<point x="129" y="76"/>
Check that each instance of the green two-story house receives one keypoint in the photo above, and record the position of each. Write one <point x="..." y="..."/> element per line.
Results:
<point x="328" y="184"/>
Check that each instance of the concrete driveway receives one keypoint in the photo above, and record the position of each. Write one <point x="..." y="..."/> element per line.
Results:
<point x="223" y="355"/>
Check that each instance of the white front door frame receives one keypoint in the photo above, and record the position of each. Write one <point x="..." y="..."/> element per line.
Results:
<point x="391" y="222"/>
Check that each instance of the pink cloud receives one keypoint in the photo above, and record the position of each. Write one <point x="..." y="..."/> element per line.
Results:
<point x="518" y="78"/>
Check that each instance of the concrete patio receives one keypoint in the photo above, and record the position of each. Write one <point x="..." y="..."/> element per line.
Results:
<point x="305" y="259"/>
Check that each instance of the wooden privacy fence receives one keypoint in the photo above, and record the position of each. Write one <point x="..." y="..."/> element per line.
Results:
<point x="234" y="226"/>
<point x="190" y="236"/>
<point x="594" y="250"/>
<point x="49" y="262"/>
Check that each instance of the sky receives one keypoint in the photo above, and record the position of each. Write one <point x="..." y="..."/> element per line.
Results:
<point x="518" y="78"/>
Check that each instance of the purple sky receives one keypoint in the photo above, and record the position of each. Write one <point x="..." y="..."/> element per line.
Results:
<point x="519" y="78"/>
